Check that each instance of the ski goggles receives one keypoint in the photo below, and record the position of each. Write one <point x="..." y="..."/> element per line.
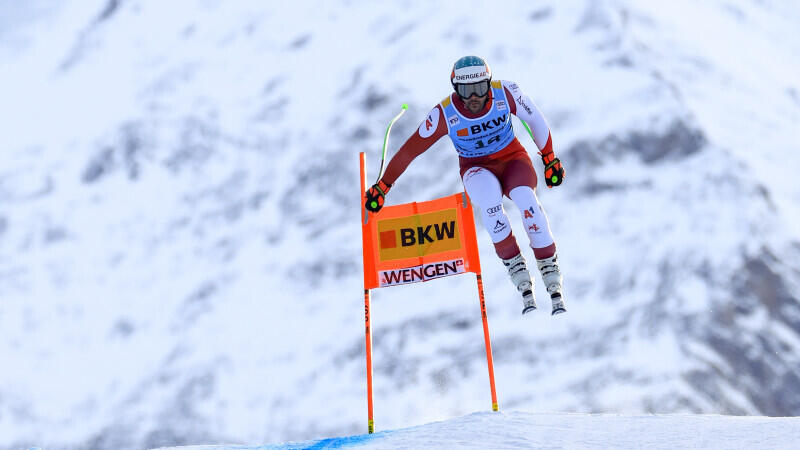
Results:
<point x="466" y="91"/>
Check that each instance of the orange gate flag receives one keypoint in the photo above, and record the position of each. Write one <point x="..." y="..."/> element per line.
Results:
<point x="419" y="241"/>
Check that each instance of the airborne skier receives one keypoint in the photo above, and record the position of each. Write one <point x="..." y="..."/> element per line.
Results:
<point x="493" y="163"/>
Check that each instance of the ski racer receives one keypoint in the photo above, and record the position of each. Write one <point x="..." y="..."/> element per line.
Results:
<point x="493" y="163"/>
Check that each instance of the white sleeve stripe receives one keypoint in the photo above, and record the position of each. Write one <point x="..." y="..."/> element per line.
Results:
<point x="529" y="112"/>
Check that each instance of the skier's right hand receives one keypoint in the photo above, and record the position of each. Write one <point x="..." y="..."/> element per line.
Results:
<point x="375" y="196"/>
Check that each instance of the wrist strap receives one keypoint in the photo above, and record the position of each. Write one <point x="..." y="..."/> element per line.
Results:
<point x="552" y="163"/>
<point x="382" y="187"/>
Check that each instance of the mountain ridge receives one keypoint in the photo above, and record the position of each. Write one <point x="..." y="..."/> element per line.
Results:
<point x="179" y="224"/>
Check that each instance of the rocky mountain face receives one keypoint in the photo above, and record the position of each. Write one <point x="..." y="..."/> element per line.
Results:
<point x="179" y="202"/>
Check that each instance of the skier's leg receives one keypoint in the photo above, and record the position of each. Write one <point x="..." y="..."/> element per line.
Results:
<point x="535" y="220"/>
<point x="519" y="183"/>
<point x="541" y="239"/>
<point x="485" y="191"/>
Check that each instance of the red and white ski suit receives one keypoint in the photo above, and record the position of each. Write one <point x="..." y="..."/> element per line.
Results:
<point x="487" y="178"/>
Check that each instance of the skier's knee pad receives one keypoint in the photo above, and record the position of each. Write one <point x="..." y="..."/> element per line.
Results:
<point x="533" y="216"/>
<point x="485" y="191"/>
<point x="483" y="187"/>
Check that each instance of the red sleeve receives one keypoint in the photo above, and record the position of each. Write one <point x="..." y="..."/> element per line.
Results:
<point x="413" y="147"/>
<point x="512" y="105"/>
<point x="548" y="147"/>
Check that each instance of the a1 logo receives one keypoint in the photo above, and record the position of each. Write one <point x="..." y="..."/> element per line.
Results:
<point x="430" y="124"/>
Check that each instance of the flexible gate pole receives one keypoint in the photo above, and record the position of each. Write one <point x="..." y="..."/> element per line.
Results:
<point x="487" y="341"/>
<point x="469" y="229"/>
<point x="367" y="328"/>
<point x="370" y="421"/>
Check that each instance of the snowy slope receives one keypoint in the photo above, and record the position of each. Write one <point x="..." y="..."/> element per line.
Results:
<point x="179" y="245"/>
<point x="526" y="430"/>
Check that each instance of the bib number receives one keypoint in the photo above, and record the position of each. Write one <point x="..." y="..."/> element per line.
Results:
<point x="479" y="144"/>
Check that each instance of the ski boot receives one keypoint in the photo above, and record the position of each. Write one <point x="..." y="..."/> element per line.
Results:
<point x="521" y="278"/>
<point x="552" y="280"/>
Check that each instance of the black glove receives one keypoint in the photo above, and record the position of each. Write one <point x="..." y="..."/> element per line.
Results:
<point x="553" y="170"/>
<point x="375" y="196"/>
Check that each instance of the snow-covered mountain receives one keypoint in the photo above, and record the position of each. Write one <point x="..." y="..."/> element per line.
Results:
<point x="179" y="197"/>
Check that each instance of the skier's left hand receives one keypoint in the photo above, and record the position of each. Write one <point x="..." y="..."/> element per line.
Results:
<point x="553" y="170"/>
<point x="375" y="196"/>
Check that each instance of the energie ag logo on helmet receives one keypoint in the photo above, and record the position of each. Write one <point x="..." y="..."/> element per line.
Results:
<point x="470" y="69"/>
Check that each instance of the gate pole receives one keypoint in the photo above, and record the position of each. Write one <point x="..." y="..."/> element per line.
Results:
<point x="487" y="341"/>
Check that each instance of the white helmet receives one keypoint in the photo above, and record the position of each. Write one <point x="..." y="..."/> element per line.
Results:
<point x="471" y="76"/>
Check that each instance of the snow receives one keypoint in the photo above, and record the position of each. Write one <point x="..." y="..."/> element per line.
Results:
<point x="580" y="431"/>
